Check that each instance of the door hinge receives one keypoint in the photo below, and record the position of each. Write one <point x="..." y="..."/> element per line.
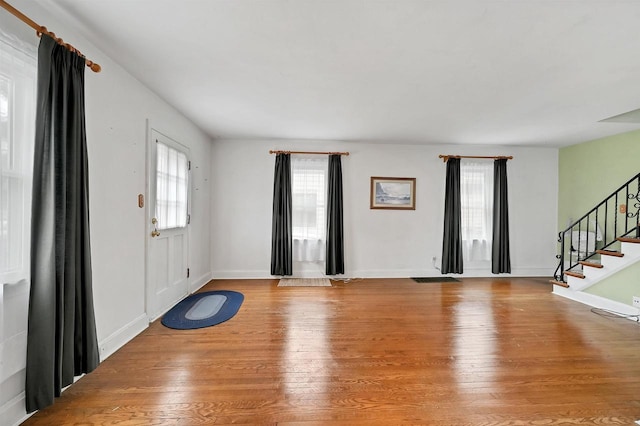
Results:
<point x="188" y="219"/>
<point x="188" y="272"/>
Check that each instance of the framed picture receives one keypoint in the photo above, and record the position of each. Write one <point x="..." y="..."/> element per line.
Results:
<point x="393" y="193"/>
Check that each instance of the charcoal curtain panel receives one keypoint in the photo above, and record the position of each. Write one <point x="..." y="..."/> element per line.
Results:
<point x="335" y="241"/>
<point x="500" y="259"/>
<point x="61" y="340"/>
<point x="281" y="231"/>
<point x="452" y="236"/>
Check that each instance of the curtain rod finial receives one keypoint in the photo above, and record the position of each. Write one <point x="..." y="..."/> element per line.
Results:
<point x="94" y="67"/>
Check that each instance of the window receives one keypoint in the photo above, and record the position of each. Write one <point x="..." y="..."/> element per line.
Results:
<point x="476" y="191"/>
<point x="17" y="118"/>
<point x="172" y="182"/>
<point x="309" y="187"/>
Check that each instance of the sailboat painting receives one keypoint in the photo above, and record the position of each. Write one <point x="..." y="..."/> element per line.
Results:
<point x="393" y="193"/>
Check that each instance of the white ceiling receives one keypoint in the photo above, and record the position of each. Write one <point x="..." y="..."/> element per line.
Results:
<point x="522" y="72"/>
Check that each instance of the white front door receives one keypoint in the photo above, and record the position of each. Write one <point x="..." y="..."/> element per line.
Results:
<point x="167" y="225"/>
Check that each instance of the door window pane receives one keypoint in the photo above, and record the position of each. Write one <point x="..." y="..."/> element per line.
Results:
<point x="172" y="178"/>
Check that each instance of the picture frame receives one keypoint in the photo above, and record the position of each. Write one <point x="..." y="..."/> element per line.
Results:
<point x="393" y="193"/>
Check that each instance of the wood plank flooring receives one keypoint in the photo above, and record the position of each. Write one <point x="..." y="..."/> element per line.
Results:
<point x="373" y="352"/>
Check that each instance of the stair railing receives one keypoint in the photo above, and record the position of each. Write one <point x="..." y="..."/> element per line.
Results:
<point x="616" y="216"/>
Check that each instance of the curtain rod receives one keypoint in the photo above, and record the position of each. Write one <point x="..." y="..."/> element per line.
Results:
<point x="43" y="30"/>
<point x="500" y="157"/>
<point x="307" y="152"/>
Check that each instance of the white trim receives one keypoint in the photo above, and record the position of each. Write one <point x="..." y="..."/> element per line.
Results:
<point x="611" y="266"/>
<point x="394" y="273"/>
<point x="200" y="282"/>
<point x="168" y="307"/>
<point x="631" y="249"/>
<point x="469" y="273"/>
<point x="12" y="355"/>
<point x="596" y="301"/>
<point x="386" y="273"/>
<point x="26" y="47"/>
<point x="13" y="411"/>
<point x="122" y="336"/>
<point x="240" y="274"/>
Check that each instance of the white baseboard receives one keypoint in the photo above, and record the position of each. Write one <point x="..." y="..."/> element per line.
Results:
<point x="239" y="274"/>
<point x="390" y="273"/>
<point x="13" y="411"/>
<point x="193" y="287"/>
<point x="596" y="301"/>
<point x="470" y="273"/>
<point x="196" y="285"/>
<point x="120" y="337"/>
<point x="265" y="274"/>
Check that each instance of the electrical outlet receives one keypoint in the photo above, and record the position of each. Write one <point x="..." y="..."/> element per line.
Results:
<point x="636" y="301"/>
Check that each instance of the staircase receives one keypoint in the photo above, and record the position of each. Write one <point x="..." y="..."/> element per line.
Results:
<point x="609" y="262"/>
<point x="602" y="242"/>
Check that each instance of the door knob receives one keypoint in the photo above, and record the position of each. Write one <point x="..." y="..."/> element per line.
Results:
<point x="155" y="231"/>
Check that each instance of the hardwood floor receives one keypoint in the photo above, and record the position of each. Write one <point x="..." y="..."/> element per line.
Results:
<point x="373" y="352"/>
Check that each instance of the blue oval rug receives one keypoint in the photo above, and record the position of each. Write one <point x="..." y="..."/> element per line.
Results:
<point x="203" y="310"/>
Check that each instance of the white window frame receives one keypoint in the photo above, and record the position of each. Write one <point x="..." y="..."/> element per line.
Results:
<point x="18" y="63"/>
<point x="476" y="196"/>
<point x="309" y="175"/>
<point x="18" y="66"/>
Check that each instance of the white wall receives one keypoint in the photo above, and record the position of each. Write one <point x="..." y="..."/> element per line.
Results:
<point x="379" y="243"/>
<point x="117" y="109"/>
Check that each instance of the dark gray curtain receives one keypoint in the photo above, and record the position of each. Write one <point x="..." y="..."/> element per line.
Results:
<point x="500" y="259"/>
<point x="61" y="340"/>
<point x="281" y="236"/>
<point x="335" y="242"/>
<point x="452" y="236"/>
